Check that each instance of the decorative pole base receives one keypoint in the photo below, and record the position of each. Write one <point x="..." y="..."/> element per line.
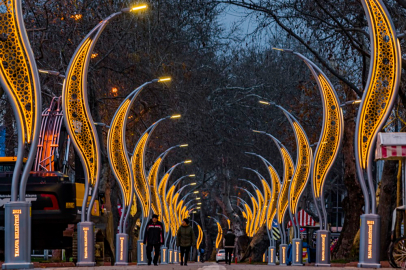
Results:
<point x="17" y="235"/>
<point x="272" y="255"/>
<point x="121" y="249"/>
<point x="323" y="248"/>
<point x="283" y="254"/>
<point x="369" y="241"/>
<point x="86" y="244"/>
<point x="175" y="256"/>
<point x="297" y="252"/>
<point x="170" y="255"/>
<point x="164" y="255"/>
<point x="141" y="253"/>
<point x="198" y="258"/>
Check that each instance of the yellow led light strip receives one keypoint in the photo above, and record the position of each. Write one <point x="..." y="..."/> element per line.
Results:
<point x="219" y="235"/>
<point x="330" y="140"/>
<point x="161" y="192"/>
<point x="17" y="67"/>
<point x="140" y="183"/>
<point x="172" y="220"/>
<point x="249" y="219"/>
<point x="199" y="237"/>
<point x="175" y="216"/>
<point x="283" y="198"/>
<point x="276" y="187"/>
<point x="384" y="75"/>
<point x="254" y="215"/>
<point x="77" y="117"/>
<point x="156" y="206"/>
<point x="261" y="206"/>
<point x="302" y="170"/>
<point x="117" y="152"/>
<point x="267" y="197"/>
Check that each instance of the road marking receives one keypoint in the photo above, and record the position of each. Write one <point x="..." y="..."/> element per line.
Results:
<point x="214" y="266"/>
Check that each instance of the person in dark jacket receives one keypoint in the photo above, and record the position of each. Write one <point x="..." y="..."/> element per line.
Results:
<point x="154" y="238"/>
<point x="229" y="240"/>
<point x="185" y="239"/>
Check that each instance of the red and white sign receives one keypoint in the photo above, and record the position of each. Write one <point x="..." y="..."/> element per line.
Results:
<point x="304" y="219"/>
<point x="391" y="145"/>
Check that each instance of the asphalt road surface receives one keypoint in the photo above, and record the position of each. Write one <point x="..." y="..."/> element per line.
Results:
<point x="202" y="266"/>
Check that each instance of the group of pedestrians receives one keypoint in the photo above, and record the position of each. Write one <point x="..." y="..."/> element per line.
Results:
<point x="185" y="239"/>
<point x="154" y="238"/>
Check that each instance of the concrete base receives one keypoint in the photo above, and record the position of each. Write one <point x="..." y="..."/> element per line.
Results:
<point x="164" y="255"/>
<point x="121" y="249"/>
<point x="141" y="253"/>
<point x="170" y="256"/>
<point x="323" y="248"/>
<point x="297" y="252"/>
<point x="86" y="244"/>
<point x="17" y="235"/>
<point x="272" y="255"/>
<point x="370" y="241"/>
<point x="283" y="254"/>
<point x="175" y="256"/>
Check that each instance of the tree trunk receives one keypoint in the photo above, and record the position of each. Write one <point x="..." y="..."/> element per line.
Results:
<point x="258" y="246"/>
<point x="354" y="201"/>
<point x="386" y="204"/>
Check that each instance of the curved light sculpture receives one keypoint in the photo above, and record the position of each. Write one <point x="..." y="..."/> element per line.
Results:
<point x="249" y="215"/>
<point x="266" y="194"/>
<point x="260" y="206"/>
<point x="199" y="235"/>
<point x="219" y="232"/>
<point x="156" y="204"/>
<point x="254" y="210"/>
<point x="162" y="195"/>
<point x="19" y="79"/>
<point x="141" y="185"/>
<point x="228" y="220"/>
<point x="377" y="102"/>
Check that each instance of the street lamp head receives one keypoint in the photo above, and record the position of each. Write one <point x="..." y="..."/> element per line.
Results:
<point x="184" y="145"/>
<point x="282" y="50"/>
<point x="175" y="116"/>
<point x="187" y="161"/>
<point x="192" y="175"/>
<point x="140" y="7"/>
<point x="258" y="131"/>
<point x="165" y="79"/>
<point x="198" y="207"/>
<point x="264" y="102"/>
<point x="197" y="198"/>
<point x="199" y="203"/>
<point x="195" y="192"/>
<point x="193" y="184"/>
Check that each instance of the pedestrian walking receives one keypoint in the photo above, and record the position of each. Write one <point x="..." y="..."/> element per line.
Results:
<point x="229" y="245"/>
<point x="154" y="238"/>
<point x="185" y="239"/>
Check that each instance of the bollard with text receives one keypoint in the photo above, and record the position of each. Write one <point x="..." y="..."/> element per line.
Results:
<point x="271" y="256"/>
<point x="164" y="255"/>
<point x="297" y="252"/>
<point x="122" y="249"/>
<point x="323" y="248"/>
<point x="85" y="244"/>
<point x="141" y="253"/>
<point x="283" y="250"/>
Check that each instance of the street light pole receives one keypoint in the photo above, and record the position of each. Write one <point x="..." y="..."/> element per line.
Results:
<point x="20" y="80"/>
<point x="325" y="154"/>
<point x="299" y="180"/>
<point x="272" y="206"/>
<point x="141" y="186"/>
<point x="120" y="165"/>
<point x="377" y="102"/>
<point x="82" y="131"/>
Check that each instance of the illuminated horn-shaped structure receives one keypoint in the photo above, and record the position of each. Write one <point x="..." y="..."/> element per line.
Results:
<point x="272" y="204"/>
<point x="248" y="212"/>
<point x="254" y="210"/>
<point x="266" y="193"/>
<point x="283" y="198"/>
<point x="261" y="205"/>
<point x="19" y="79"/>
<point x="117" y="150"/>
<point x="156" y="204"/>
<point x="140" y="180"/>
<point x="219" y="232"/>
<point x="326" y="152"/>
<point x="199" y="236"/>
<point x="377" y="101"/>
<point x="162" y="195"/>
<point x="141" y="185"/>
<point x="299" y="181"/>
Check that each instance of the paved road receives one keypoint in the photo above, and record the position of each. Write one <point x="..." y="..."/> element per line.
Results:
<point x="202" y="266"/>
